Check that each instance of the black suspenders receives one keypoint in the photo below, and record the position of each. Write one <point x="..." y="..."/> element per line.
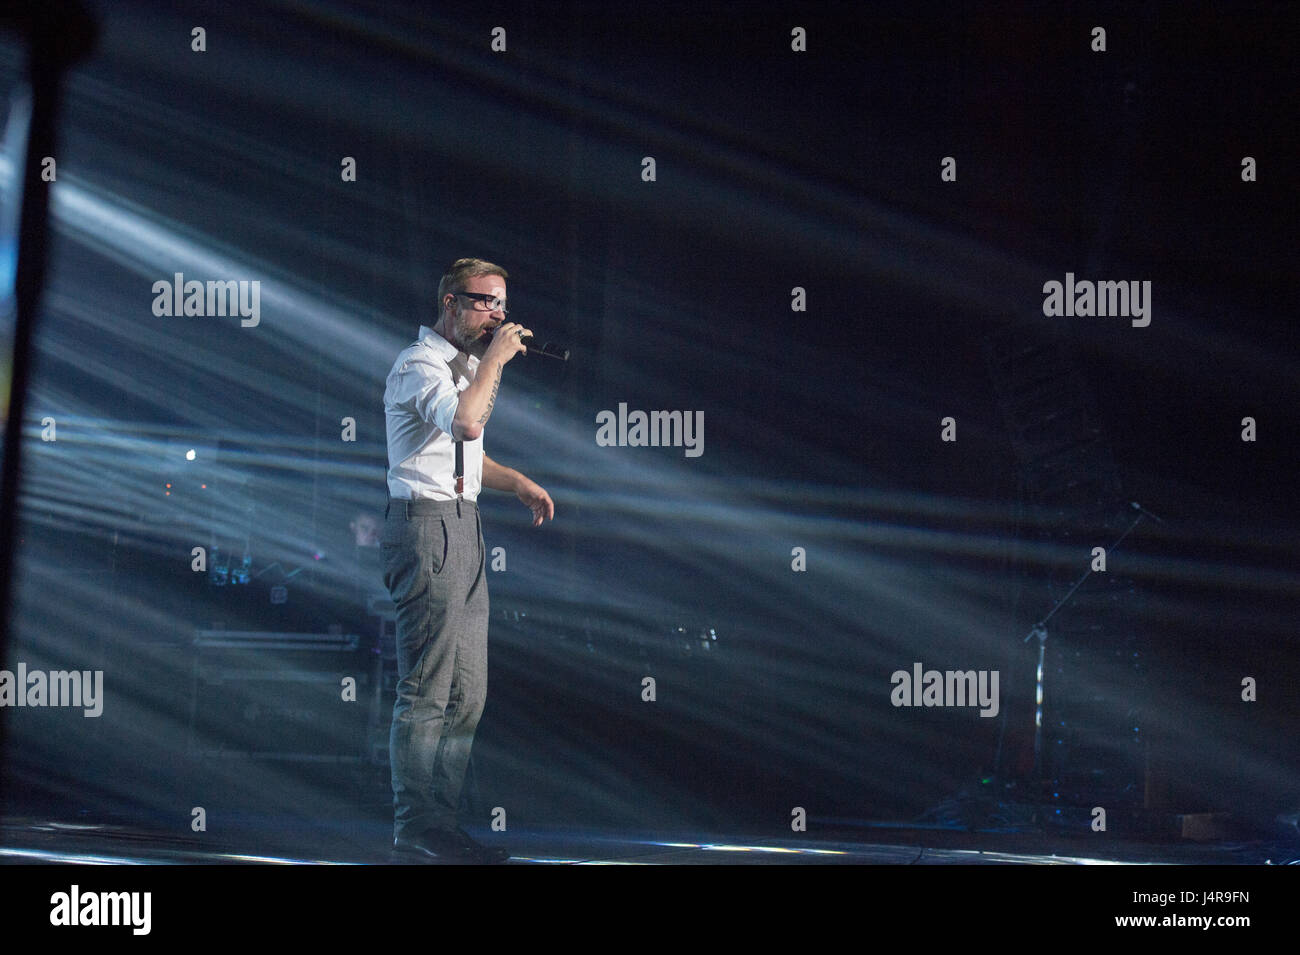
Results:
<point x="460" y="469"/>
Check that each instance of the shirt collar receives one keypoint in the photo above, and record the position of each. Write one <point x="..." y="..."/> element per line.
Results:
<point x="445" y="349"/>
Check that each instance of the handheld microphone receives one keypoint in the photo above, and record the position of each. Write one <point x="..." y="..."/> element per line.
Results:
<point x="549" y="349"/>
<point x="545" y="348"/>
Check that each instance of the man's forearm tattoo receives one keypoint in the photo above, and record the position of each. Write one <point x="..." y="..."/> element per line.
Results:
<point x="492" y="398"/>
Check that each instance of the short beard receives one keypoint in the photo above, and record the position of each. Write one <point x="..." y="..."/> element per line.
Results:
<point x="479" y="347"/>
<point x="460" y="337"/>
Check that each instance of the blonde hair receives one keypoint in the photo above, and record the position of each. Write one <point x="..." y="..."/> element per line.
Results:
<point x="462" y="269"/>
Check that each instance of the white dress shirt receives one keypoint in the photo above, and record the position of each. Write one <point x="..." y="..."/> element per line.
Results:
<point x="420" y="401"/>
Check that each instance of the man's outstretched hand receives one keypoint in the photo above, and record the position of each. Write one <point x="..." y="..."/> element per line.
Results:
<point x="538" y="501"/>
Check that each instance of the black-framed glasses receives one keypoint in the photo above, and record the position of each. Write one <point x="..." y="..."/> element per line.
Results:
<point x="486" y="302"/>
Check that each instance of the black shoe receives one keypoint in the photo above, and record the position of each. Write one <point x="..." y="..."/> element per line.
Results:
<point x="475" y="852"/>
<point x="449" y="845"/>
<point x="426" y="844"/>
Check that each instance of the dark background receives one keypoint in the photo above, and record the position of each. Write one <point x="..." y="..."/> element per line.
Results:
<point x="775" y="169"/>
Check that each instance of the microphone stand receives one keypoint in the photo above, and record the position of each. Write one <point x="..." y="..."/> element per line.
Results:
<point x="1039" y="630"/>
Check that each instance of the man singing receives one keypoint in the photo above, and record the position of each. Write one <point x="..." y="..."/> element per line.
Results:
<point x="437" y="403"/>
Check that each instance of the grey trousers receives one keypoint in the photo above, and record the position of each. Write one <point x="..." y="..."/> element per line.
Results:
<point x="434" y="570"/>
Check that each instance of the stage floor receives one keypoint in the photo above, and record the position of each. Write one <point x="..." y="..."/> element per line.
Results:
<point x="280" y="841"/>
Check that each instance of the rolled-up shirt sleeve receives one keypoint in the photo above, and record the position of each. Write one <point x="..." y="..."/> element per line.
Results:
<point x="428" y="391"/>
